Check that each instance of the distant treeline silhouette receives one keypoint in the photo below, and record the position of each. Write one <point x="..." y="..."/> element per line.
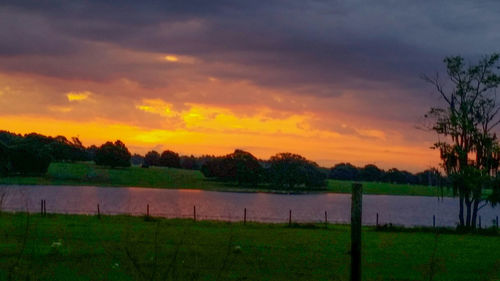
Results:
<point x="31" y="154"/>
<point x="370" y="172"/>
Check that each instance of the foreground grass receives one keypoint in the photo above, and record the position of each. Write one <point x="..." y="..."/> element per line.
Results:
<point x="158" y="177"/>
<point x="70" y="247"/>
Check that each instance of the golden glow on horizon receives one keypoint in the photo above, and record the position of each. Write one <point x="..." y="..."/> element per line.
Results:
<point x="62" y="109"/>
<point x="264" y="145"/>
<point x="78" y="96"/>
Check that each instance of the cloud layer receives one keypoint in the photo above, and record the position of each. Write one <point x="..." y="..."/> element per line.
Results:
<point x="347" y="71"/>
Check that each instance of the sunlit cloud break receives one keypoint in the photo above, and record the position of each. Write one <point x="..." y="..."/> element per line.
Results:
<point x="171" y="58"/>
<point x="78" y="96"/>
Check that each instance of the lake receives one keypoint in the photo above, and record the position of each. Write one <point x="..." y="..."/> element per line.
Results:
<point x="262" y="207"/>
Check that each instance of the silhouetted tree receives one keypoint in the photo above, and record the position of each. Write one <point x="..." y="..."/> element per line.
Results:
<point x="468" y="145"/>
<point x="113" y="155"/>
<point x="240" y="166"/>
<point x="152" y="158"/>
<point x="137" y="159"/>
<point x="170" y="159"/>
<point x="8" y="138"/>
<point x="28" y="159"/>
<point x="212" y="167"/>
<point x="243" y="167"/>
<point x="344" y="171"/>
<point x="4" y="159"/>
<point x="91" y="152"/>
<point x="431" y="177"/>
<point x="292" y="170"/>
<point x="61" y="149"/>
<point x="371" y="172"/>
<point x="189" y="162"/>
<point x="397" y="176"/>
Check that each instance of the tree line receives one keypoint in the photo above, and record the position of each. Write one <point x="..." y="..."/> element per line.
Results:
<point x="372" y="173"/>
<point x="31" y="154"/>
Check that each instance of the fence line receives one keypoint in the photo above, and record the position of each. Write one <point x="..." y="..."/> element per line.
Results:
<point x="244" y="217"/>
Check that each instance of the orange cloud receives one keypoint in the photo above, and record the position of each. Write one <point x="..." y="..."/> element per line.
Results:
<point x="156" y="106"/>
<point x="205" y="116"/>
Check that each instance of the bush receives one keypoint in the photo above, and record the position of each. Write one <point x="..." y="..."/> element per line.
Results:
<point x="113" y="155"/>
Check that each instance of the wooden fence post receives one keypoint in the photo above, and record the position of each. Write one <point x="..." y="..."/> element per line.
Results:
<point x="377" y="220"/>
<point x="245" y="216"/>
<point x="289" y="217"/>
<point x="356" y="214"/>
<point x="44" y="208"/>
<point x="479" y="222"/>
<point x="41" y="207"/>
<point x="194" y="212"/>
<point x="326" y="219"/>
<point x="434" y="221"/>
<point x="98" y="212"/>
<point x="147" y="211"/>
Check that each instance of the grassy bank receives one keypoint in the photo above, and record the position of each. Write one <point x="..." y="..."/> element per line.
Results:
<point x="389" y="189"/>
<point x="158" y="177"/>
<point x="69" y="247"/>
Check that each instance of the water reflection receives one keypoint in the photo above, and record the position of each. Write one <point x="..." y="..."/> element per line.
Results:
<point x="401" y="210"/>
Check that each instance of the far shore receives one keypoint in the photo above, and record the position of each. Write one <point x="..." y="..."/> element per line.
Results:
<point x="78" y="174"/>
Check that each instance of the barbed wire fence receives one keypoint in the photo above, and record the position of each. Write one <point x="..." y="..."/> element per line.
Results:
<point x="244" y="216"/>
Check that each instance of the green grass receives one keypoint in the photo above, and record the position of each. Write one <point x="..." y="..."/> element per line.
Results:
<point x="90" y="174"/>
<point x="71" y="247"/>
<point x="158" y="177"/>
<point x="389" y="189"/>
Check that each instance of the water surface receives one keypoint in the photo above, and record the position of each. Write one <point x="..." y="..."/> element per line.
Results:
<point x="264" y="207"/>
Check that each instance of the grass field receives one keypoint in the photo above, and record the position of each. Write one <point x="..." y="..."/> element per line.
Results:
<point x="70" y="247"/>
<point x="158" y="177"/>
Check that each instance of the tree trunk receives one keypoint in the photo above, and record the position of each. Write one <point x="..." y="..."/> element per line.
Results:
<point x="468" y="205"/>
<point x="461" y="210"/>
<point x="474" y="212"/>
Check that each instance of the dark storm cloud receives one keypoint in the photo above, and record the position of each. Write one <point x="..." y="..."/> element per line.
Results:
<point x="317" y="47"/>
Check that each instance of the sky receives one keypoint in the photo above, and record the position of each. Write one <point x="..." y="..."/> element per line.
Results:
<point x="334" y="81"/>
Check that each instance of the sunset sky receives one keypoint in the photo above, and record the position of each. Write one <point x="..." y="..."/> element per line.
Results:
<point x="335" y="81"/>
